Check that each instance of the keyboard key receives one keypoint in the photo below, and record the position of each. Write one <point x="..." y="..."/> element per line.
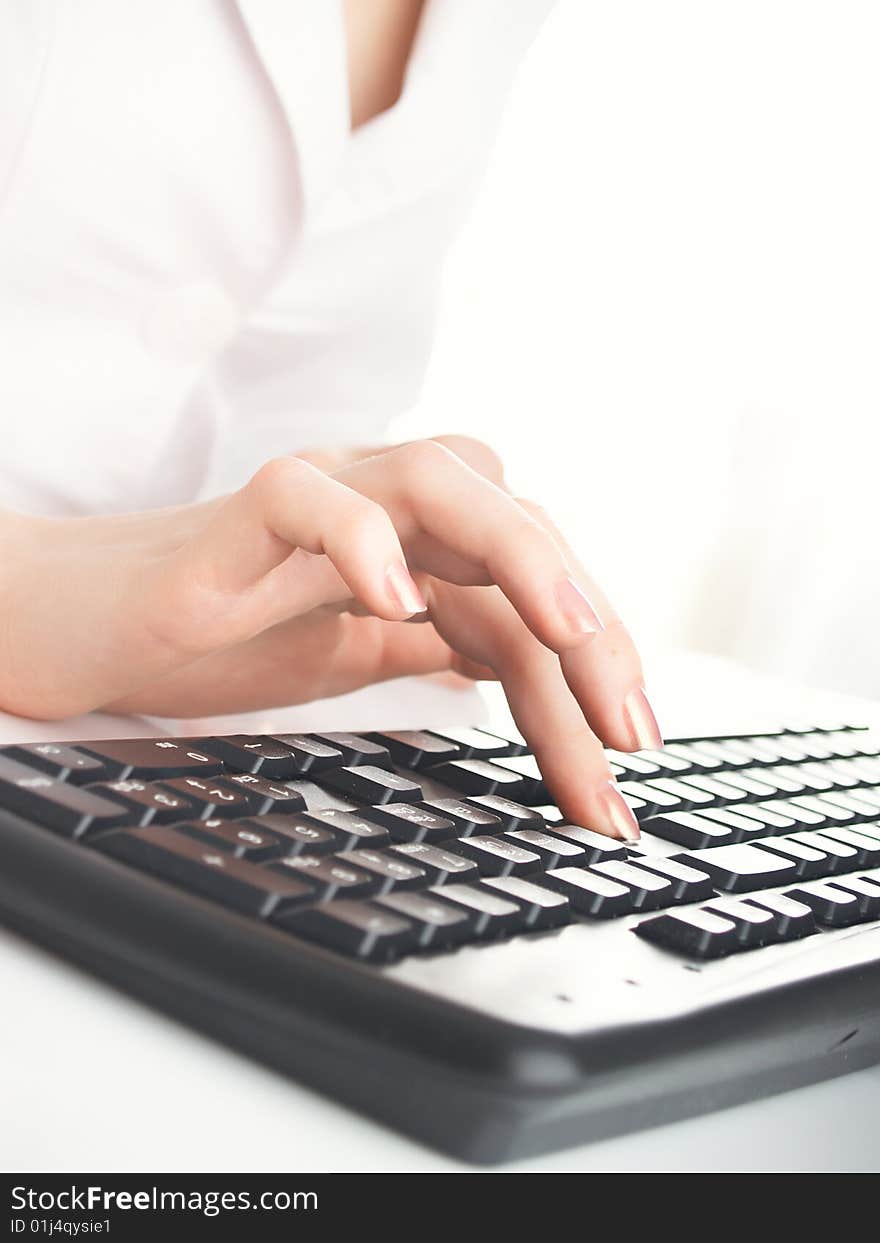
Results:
<point x="212" y="797"/>
<point x="542" y="908"/>
<point x="493" y="915"/>
<point x="839" y="857"/>
<point x="550" y="814"/>
<point x="295" y="833"/>
<point x="512" y="815"/>
<point x="648" y="890"/>
<point x="246" y="887"/>
<point x="831" y="812"/>
<point x="408" y="822"/>
<point x="726" y="756"/>
<point x="552" y="851"/>
<point x="870" y="795"/>
<point x="465" y="817"/>
<point x="785" y="781"/>
<point x="479" y="743"/>
<point x="750" y="784"/>
<point x="867" y="770"/>
<point x="793" y="919"/>
<point x="691" y="829"/>
<point x="691" y="796"/>
<point x="391" y="873"/>
<point x="315" y="797"/>
<point x="829" y="903"/>
<point x="237" y="836"/>
<point x="373" y="785"/>
<point x="646" y="800"/>
<point x="843" y="778"/>
<point x="532" y="789"/>
<point x="357" y="750"/>
<point x="801" y="817"/>
<point x="749" y="820"/>
<point x="412" y="748"/>
<point x="861" y="743"/>
<point x="790" y="750"/>
<point x="688" y="884"/>
<point x="816" y="747"/>
<point x="250" y="753"/>
<point x="866" y="845"/>
<point x="666" y="763"/>
<point x="266" y="796"/>
<point x="635" y="766"/>
<point x="152" y="758"/>
<point x="64" y="808"/>
<point x="351" y="828"/>
<point x="327" y="877"/>
<point x="595" y="845"/>
<point x="696" y="933"/>
<point x="62" y="762"/>
<point x="148" y="802"/>
<point x="721" y="790"/>
<point x="495" y="856"/>
<point x="813" y="778"/>
<point x="863" y="808"/>
<point x="740" y="868"/>
<point x="358" y="929"/>
<point x="438" y="924"/>
<point x="808" y="860"/>
<point x="757" y="750"/>
<point x="310" y="754"/>
<point x="755" y="925"/>
<point x="441" y="866"/>
<point x="700" y="761"/>
<point x="638" y="806"/>
<point x="867" y="893"/>
<point x="762" y="818"/>
<point x="479" y="777"/>
<point x="590" y="893"/>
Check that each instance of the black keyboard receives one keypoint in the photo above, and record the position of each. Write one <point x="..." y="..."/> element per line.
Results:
<point x="404" y="921"/>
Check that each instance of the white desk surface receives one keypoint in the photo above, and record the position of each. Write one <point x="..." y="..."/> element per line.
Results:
<point x="91" y="1080"/>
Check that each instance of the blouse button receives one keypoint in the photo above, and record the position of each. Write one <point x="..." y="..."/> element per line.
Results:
<point x="191" y="322"/>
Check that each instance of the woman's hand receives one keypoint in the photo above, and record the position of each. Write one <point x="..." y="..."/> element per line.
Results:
<point x="301" y="585"/>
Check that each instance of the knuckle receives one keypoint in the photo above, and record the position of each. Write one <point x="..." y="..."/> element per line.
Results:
<point x="422" y="457"/>
<point x="180" y="612"/>
<point x="536" y="512"/>
<point x="526" y="527"/>
<point x="278" y="476"/>
<point x="476" y="453"/>
<point x="363" y="522"/>
<point x="618" y="640"/>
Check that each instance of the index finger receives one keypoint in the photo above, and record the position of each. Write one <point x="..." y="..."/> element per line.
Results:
<point x="427" y="489"/>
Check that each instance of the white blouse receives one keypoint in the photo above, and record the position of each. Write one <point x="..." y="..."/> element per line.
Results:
<point x="200" y="265"/>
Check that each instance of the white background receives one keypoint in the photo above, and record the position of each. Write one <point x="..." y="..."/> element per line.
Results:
<point x="665" y="312"/>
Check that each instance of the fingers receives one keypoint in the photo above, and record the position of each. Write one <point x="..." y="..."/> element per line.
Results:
<point x="606" y="676"/>
<point x="478" y="455"/>
<point x="462" y="527"/>
<point x="608" y="683"/>
<point x="296" y="537"/>
<point x="569" y="754"/>
<point x="428" y="490"/>
<point x="288" y="505"/>
<point x="483" y="628"/>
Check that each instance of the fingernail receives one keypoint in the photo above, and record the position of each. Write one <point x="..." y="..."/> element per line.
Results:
<point x="403" y="590"/>
<point x="640" y="721"/>
<point x="619" y="812"/>
<point x="580" y="615"/>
